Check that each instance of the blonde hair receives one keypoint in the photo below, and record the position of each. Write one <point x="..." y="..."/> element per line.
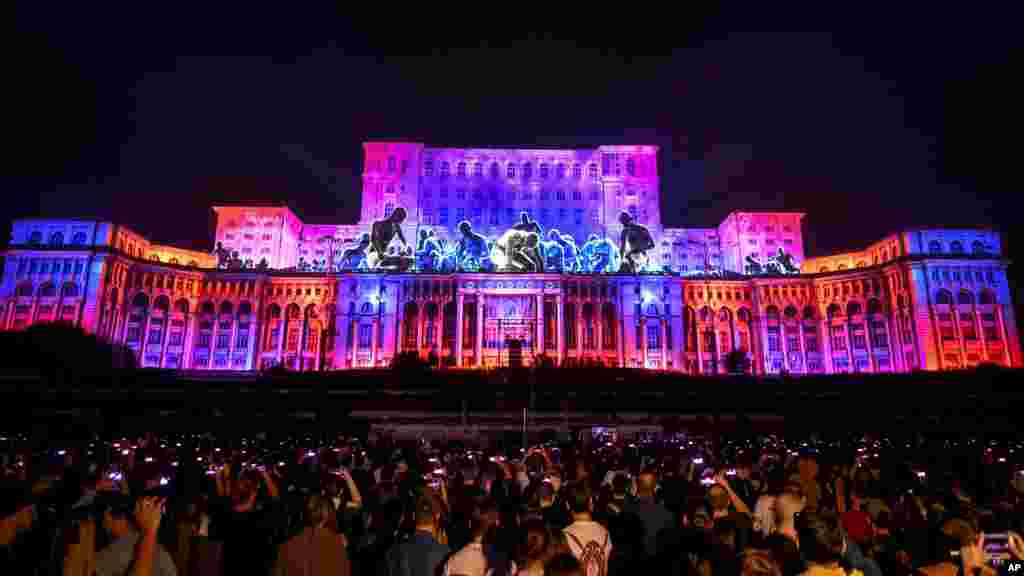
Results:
<point x="318" y="510"/>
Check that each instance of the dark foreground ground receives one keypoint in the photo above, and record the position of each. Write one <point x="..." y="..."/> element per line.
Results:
<point x="465" y="402"/>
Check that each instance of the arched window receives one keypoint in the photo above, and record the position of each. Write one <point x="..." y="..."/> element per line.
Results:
<point x="773" y="314"/>
<point x="978" y="247"/>
<point x="809" y="313"/>
<point x="956" y="247"/>
<point x="495" y="170"/>
<point x="853" y="308"/>
<point x="631" y="167"/>
<point x="874" y="306"/>
<point x="35" y="238"/>
<point x="24" y="290"/>
<point x="592" y="170"/>
<point x="560" y="171"/>
<point x="965" y="297"/>
<point x="57" y="239"/>
<point x="389" y="207"/>
<point x="460" y="170"/>
<point x="510" y="172"/>
<point x="935" y="247"/>
<point x="723" y="315"/>
<point x="78" y="239"/>
<point x="543" y="170"/>
<point x="47" y="290"/>
<point x="833" y="311"/>
<point x="987" y="297"/>
<point x="944" y="297"/>
<point x="445" y="169"/>
<point x="527" y="171"/>
<point x="790" y="312"/>
<point x="652" y="309"/>
<point x="885" y="255"/>
<point x="69" y="290"/>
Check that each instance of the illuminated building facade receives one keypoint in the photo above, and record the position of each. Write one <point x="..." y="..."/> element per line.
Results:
<point x="484" y="279"/>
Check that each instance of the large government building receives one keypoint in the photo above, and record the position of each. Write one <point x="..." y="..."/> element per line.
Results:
<point x="486" y="257"/>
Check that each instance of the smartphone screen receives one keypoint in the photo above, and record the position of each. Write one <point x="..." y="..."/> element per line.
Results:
<point x="997" y="548"/>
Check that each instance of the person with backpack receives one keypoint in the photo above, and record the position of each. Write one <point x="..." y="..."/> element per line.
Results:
<point x="588" y="541"/>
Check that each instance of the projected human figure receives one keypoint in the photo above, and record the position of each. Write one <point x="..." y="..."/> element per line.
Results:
<point x="428" y="251"/>
<point x="382" y="232"/>
<point x="634" y="243"/>
<point x="354" y="258"/>
<point x="786" y="262"/>
<point x="472" y="249"/>
<point x="554" y="254"/>
<point x="519" y="251"/>
<point x="570" y="253"/>
<point x="526" y="224"/>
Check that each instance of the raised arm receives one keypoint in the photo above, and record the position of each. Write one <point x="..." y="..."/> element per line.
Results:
<point x="738" y="502"/>
<point x="147" y="515"/>
<point x="357" y="499"/>
<point x="223" y="483"/>
<point x="271" y="484"/>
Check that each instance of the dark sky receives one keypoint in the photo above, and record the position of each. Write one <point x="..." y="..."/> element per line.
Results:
<point x="870" y="120"/>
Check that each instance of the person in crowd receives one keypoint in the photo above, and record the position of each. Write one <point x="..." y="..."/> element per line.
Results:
<point x="422" y="554"/>
<point x="588" y="541"/>
<point x="653" y="515"/>
<point x="132" y="527"/>
<point x="537" y="546"/>
<point x="822" y="545"/>
<point x="245" y="521"/>
<point x="318" y="549"/>
<point x="856" y="522"/>
<point x="478" y="557"/>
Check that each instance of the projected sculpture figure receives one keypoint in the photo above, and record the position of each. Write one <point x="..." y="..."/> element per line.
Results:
<point x="753" y="267"/>
<point x="634" y="243"/>
<point x="518" y="251"/>
<point x="223" y="255"/>
<point x="786" y="262"/>
<point x="428" y="251"/>
<point x="526" y="224"/>
<point x="354" y="258"/>
<point x="382" y="232"/>
<point x="570" y="254"/>
<point x="471" y="254"/>
<point x="554" y="254"/>
<point x="599" y="255"/>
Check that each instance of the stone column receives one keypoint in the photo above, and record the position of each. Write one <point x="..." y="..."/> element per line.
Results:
<point x="1005" y="355"/>
<point x="784" y="337"/>
<point x="144" y="341"/>
<point x="214" y="328"/>
<point x="664" y="344"/>
<point x="559" y="330"/>
<point x="579" y="329"/>
<point x="254" y="334"/>
<point x="869" y="337"/>
<point x="164" y="336"/>
<point x="700" y="344"/>
<point x="979" y="330"/>
<point x="460" y="301"/>
<point x="316" y="350"/>
<point x="282" y="335"/>
<point x="958" y="334"/>
<point x="354" y="344"/>
<point x="894" y="363"/>
<point x="643" y="340"/>
<point x="849" y="345"/>
<point x="801" y="345"/>
<point x="825" y="327"/>
<point x="479" y="339"/>
<point x="599" y="316"/>
<point x="895" y="345"/>
<point x="233" y="340"/>
<point x="765" y="349"/>
<point x="375" y="335"/>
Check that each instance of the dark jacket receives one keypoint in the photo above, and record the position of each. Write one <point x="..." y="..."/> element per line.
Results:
<point x="421" y="555"/>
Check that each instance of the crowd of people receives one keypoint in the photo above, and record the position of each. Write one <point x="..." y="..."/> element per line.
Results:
<point x="598" y="505"/>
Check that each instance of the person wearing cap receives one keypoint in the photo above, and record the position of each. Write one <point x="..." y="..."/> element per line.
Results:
<point x="422" y="553"/>
<point x="132" y="527"/>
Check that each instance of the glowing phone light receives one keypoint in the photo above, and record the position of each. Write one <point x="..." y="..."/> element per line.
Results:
<point x="125" y="452"/>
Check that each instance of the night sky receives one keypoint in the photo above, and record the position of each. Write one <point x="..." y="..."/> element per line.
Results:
<point x="869" y="120"/>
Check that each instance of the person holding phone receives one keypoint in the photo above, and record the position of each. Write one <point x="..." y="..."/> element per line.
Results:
<point x="244" y="521"/>
<point x="132" y="526"/>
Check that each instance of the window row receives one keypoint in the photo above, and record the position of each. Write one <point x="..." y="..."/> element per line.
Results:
<point x="56" y="239"/>
<point x="978" y="247"/>
<point x="511" y="216"/>
<point x="46" y="266"/>
<point x="967" y="275"/>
